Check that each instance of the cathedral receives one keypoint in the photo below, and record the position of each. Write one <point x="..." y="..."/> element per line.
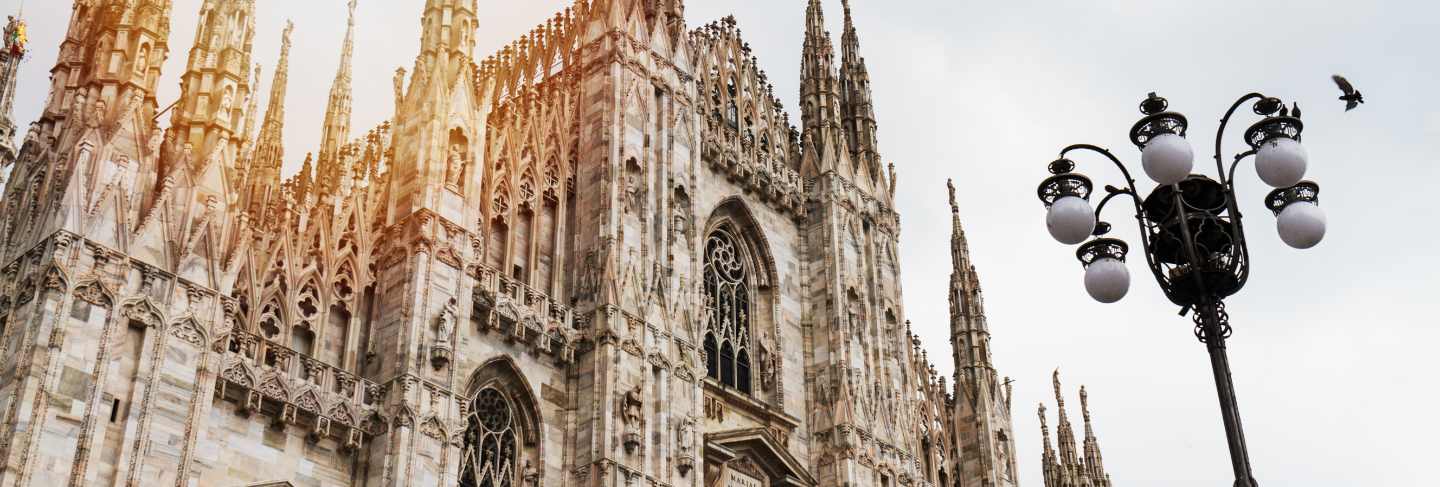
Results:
<point x="601" y="256"/>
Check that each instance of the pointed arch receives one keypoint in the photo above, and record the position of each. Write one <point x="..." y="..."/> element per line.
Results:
<point x="502" y="430"/>
<point x="271" y="320"/>
<point x="733" y="213"/>
<point x="502" y="374"/>
<point x="738" y="286"/>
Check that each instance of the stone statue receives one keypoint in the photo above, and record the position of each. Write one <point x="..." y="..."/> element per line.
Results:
<point x="225" y="101"/>
<point x="399" y="86"/>
<point x="685" y="436"/>
<point x="530" y="475"/>
<point x="100" y="109"/>
<point x="142" y="59"/>
<point x="446" y="323"/>
<point x="453" y="163"/>
<point x="633" y="404"/>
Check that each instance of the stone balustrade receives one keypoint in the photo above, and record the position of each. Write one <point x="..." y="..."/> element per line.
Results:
<point x="295" y="388"/>
<point x="524" y="314"/>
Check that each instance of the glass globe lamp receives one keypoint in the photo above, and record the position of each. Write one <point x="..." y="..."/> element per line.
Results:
<point x="1070" y="220"/>
<point x="1298" y="217"/>
<point x="1107" y="280"/>
<point x="1281" y="162"/>
<point x="1066" y="195"/>
<point x="1167" y="158"/>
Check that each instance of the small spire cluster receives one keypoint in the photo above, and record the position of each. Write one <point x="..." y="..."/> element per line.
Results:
<point x="1062" y="464"/>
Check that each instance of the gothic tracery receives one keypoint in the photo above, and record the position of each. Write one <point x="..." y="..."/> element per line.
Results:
<point x="728" y="308"/>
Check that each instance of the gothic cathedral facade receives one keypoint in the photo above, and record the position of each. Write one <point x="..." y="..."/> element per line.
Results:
<point x="602" y="256"/>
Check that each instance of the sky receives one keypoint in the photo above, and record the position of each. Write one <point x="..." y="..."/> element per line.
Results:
<point x="1333" y="351"/>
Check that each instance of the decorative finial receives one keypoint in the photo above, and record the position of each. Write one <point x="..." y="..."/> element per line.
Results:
<point x="1153" y="104"/>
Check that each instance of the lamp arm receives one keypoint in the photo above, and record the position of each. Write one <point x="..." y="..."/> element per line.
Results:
<point x="1230" y="179"/>
<point x="1220" y="132"/>
<point x="1112" y="192"/>
<point x="1129" y="181"/>
<point x="1134" y="198"/>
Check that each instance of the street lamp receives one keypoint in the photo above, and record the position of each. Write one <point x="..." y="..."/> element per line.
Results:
<point x="1190" y="225"/>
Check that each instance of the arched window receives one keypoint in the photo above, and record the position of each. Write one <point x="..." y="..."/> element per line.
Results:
<point x="491" y="444"/>
<point x="728" y="305"/>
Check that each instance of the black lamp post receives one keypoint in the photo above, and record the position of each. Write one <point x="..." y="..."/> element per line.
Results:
<point x="1190" y="225"/>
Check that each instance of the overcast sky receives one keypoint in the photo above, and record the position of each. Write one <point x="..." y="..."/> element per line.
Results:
<point x="1333" y="351"/>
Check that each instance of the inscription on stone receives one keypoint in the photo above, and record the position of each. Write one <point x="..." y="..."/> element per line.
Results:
<point x="738" y="479"/>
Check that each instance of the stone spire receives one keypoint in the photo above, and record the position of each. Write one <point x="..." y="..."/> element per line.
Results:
<point x="857" y="102"/>
<point x="820" y="98"/>
<point x="252" y="108"/>
<point x="210" y="113"/>
<point x="1094" y="465"/>
<point x="1065" y="434"/>
<point x="968" y="328"/>
<point x="14" y="49"/>
<point x="135" y="33"/>
<point x="337" y="113"/>
<point x="985" y="400"/>
<point x="1047" y="455"/>
<point x="437" y="125"/>
<point x="264" y="173"/>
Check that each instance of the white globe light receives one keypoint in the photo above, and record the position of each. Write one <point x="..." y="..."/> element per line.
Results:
<point x="1167" y="158"/>
<point x="1070" y="220"/>
<point x="1107" y="280"/>
<point x="1281" y="162"/>
<point x="1301" y="224"/>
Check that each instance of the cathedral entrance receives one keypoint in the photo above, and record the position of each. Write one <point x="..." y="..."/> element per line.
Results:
<point x="751" y="458"/>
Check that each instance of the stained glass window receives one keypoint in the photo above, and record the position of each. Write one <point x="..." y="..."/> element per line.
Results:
<point x="490" y="442"/>
<point x="727" y="302"/>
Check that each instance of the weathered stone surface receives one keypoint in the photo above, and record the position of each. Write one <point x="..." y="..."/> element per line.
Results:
<point x="602" y="256"/>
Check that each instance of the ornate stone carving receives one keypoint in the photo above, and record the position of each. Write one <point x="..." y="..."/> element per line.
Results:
<point x="440" y="348"/>
<point x="631" y="407"/>
<point x="189" y="331"/>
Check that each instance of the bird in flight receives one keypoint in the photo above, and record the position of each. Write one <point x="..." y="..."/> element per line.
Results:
<point x="1351" y="97"/>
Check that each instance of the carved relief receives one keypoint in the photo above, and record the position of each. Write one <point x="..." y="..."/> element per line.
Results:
<point x="631" y="406"/>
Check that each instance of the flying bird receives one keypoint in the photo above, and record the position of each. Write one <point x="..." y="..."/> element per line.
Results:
<point x="1351" y="97"/>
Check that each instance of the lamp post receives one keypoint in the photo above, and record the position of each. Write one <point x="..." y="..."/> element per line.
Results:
<point x="1190" y="225"/>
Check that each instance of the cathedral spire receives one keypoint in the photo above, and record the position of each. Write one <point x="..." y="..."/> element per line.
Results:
<point x="1047" y="455"/>
<point x="857" y="104"/>
<point x="968" y="329"/>
<point x="1094" y="465"/>
<point x="264" y="173"/>
<point x="216" y="81"/>
<point x="959" y="247"/>
<point x="820" y="95"/>
<point x="1065" y="434"/>
<point x="252" y="106"/>
<point x="140" y="27"/>
<point x="337" y="113"/>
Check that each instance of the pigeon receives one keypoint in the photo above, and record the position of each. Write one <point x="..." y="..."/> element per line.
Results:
<point x="1351" y="97"/>
<point x="1295" y="112"/>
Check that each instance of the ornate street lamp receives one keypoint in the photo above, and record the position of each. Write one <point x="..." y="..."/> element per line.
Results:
<point x="1190" y="225"/>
